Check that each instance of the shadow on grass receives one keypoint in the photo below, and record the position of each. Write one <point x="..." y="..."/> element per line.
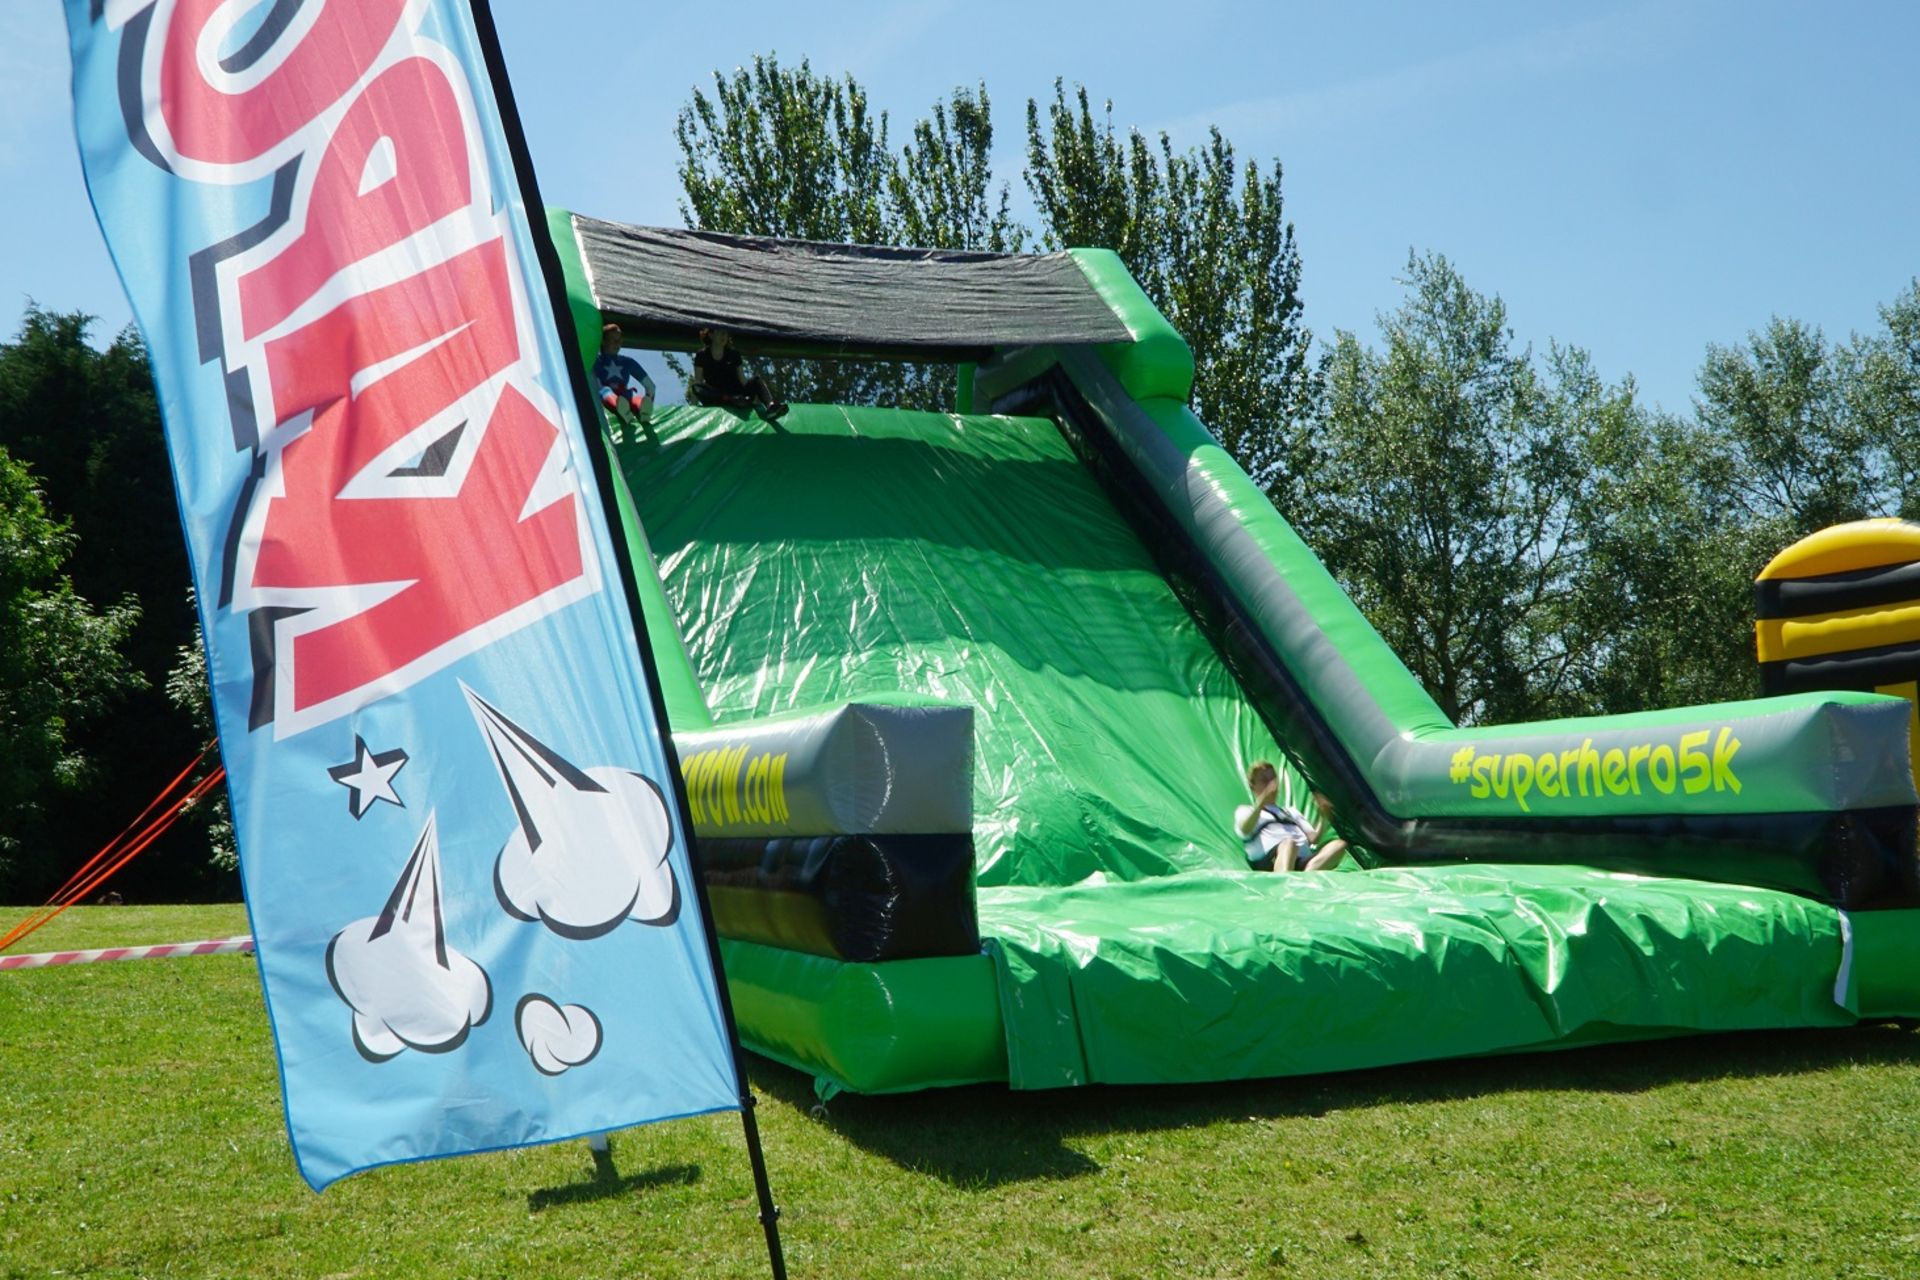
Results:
<point x="607" y="1182"/>
<point x="984" y="1136"/>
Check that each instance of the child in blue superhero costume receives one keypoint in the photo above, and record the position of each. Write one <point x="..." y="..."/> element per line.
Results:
<point x="621" y="381"/>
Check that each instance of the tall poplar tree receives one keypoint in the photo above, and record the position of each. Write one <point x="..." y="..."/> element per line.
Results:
<point x="60" y="665"/>
<point x="1210" y="244"/>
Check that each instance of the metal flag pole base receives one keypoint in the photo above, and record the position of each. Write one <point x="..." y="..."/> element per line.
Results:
<point x="769" y="1211"/>
<point x="603" y="475"/>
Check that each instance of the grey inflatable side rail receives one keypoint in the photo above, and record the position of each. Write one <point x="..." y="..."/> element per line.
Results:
<point x="843" y="831"/>
<point x="872" y="767"/>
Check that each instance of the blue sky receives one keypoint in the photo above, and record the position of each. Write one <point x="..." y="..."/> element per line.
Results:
<point x="1639" y="179"/>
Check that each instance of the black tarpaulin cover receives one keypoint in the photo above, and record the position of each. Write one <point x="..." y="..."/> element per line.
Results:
<point x="772" y="293"/>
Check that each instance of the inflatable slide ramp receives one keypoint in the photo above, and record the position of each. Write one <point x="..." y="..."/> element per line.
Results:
<point x="1008" y="668"/>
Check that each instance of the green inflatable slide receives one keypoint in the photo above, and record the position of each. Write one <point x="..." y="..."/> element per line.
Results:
<point x="965" y="704"/>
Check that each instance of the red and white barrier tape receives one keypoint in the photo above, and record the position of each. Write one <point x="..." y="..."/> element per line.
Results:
<point x="211" y="947"/>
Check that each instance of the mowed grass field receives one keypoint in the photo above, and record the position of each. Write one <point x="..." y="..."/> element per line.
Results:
<point x="141" y="1135"/>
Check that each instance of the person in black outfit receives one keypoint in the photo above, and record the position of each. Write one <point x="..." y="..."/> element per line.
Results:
<point x="720" y="379"/>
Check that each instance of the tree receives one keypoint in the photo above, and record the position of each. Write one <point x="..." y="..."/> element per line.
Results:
<point x="1803" y="458"/>
<point x="1449" y="497"/>
<point x="1820" y="432"/>
<point x="1883" y="395"/>
<point x="786" y="152"/>
<point x="86" y="423"/>
<point x="1813" y="433"/>
<point x="940" y="188"/>
<point x="59" y="665"/>
<point x="188" y="690"/>
<point x="1093" y="188"/>
<point x="1214" y="252"/>
<point x="1533" y="541"/>
<point x="1664" y="586"/>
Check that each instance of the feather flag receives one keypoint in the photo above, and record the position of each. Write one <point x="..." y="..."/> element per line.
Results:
<point x="468" y="883"/>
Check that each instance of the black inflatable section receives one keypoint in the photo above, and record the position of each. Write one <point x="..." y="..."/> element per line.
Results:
<point x="1858" y="859"/>
<point x="1866" y="670"/>
<point x="1830" y="593"/>
<point x="860" y="897"/>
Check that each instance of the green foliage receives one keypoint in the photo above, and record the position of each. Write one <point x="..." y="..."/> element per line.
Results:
<point x="941" y="186"/>
<point x="1092" y="187"/>
<point x="1450" y="485"/>
<point x="1535" y="542"/>
<point x="189" y="691"/>
<point x="59" y="665"/>
<point x="1530" y="539"/>
<point x="1802" y="458"/>
<point x="86" y="422"/>
<point x="1886" y="394"/>
<point x="1666" y="585"/>
<point x="782" y="151"/>
<point x="1211" y="248"/>
<point x="1819" y="432"/>
<point x="1793" y="433"/>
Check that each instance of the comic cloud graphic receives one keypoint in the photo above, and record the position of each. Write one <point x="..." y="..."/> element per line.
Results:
<point x="590" y="851"/>
<point x="556" y="1036"/>
<point x="407" y="988"/>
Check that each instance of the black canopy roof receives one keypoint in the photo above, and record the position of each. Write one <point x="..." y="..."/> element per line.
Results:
<point x="807" y="298"/>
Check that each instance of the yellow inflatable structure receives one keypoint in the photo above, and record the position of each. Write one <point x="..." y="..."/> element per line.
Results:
<point x="1840" y="609"/>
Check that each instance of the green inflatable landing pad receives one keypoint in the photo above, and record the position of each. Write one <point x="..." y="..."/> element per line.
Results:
<point x="1212" y="976"/>
<point x="1228" y="975"/>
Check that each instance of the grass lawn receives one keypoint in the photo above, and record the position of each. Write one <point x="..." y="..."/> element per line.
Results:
<point x="141" y="1135"/>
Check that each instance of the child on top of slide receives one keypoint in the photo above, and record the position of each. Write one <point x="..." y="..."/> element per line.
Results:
<point x="621" y="381"/>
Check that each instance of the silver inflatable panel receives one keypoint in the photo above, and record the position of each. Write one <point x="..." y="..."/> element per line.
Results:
<point x="864" y="768"/>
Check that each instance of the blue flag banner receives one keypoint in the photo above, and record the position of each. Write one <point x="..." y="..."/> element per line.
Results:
<point x="467" y="878"/>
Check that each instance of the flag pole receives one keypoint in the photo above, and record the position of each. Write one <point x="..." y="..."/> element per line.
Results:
<point x="603" y="475"/>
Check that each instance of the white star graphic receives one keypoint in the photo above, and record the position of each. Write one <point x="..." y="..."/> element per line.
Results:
<point x="369" y="777"/>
